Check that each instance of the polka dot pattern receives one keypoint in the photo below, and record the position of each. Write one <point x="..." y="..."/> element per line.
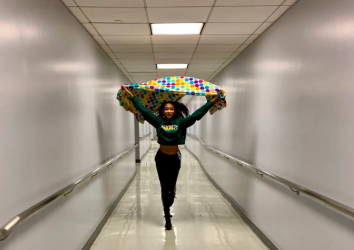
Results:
<point x="154" y="92"/>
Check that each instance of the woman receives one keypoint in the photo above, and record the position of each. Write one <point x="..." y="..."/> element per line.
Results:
<point x="171" y="124"/>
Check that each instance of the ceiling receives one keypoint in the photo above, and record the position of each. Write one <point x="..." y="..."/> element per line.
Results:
<point x="229" y="27"/>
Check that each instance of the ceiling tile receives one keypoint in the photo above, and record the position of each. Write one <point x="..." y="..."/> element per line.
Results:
<point x="127" y="15"/>
<point x="262" y="28"/>
<point x="228" y="61"/>
<point x="171" y="72"/>
<point x="111" y="3"/>
<point x="143" y="75"/>
<point x="99" y="39"/>
<point x="223" y="66"/>
<point x="105" y="48"/>
<point x="174" y="3"/>
<point x="69" y="2"/>
<point x="289" y="2"/>
<point x="251" y="39"/>
<point x="141" y="67"/>
<point x="127" y="39"/>
<point x="204" y="70"/>
<point x="241" y="14"/>
<point x="124" y="72"/>
<point x="212" y="55"/>
<point x="247" y="2"/>
<point x="160" y="75"/>
<point x="209" y="72"/>
<point x="142" y="70"/>
<point x="131" y="48"/>
<point x="135" y="55"/>
<point x="208" y="66"/>
<point x="111" y="55"/>
<point x="278" y="13"/>
<point x="172" y="60"/>
<point x="174" y="48"/>
<point x="230" y="28"/>
<point x="90" y="29"/>
<point x="78" y="14"/>
<point x="141" y="79"/>
<point x="202" y="73"/>
<point x="146" y="79"/>
<point x="223" y="39"/>
<point x="242" y="48"/>
<point x="210" y="78"/>
<point x="129" y="65"/>
<point x="178" y="15"/>
<point x="122" y="29"/>
<point x="208" y="61"/>
<point x="216" y="48"/>
<point x="199" y="75"/>
<point x="117" y="62"/>
<point x="234" y="55"/>
<point x="121" y="66"/>
<point x="175" y="39"/>
<point x="137" y="61"/>
<point x="174" y="55"/>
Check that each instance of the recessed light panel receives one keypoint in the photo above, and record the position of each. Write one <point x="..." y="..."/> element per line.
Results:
<point x="176" y="28"/>
<point x="172" y="66"/>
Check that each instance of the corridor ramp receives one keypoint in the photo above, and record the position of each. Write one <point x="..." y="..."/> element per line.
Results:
<point x="202" y="217"/>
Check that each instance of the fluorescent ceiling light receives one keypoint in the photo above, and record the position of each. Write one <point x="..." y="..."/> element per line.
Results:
<point x="176" y="28"/>
<point x="172" y="66"/>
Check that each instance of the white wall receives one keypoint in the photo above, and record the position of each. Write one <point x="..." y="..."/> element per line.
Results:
<point x="290" y="112"/>
<point x="145" y="142"/>
<point x="59" y="120"/>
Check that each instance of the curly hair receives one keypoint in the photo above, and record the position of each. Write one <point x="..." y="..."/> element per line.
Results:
<point x="181" y="109"/>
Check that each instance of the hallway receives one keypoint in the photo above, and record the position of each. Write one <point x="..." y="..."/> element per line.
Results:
<point x="268" y="166"/>
<point x="202" y="218"/>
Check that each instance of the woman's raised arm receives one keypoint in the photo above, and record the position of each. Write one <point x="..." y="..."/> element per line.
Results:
<point x="147" y="114"/>
<point x="199" y="113"/>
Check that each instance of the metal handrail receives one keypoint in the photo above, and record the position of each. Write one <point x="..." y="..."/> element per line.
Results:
<point x="296" y="188"/>
<point x="9" y="227"/>
<point x="142" y="137"/>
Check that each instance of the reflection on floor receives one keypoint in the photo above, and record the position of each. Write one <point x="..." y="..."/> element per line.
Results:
<point x="202" y="218"/>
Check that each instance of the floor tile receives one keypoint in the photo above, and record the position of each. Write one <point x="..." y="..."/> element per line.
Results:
<point x="202" y="218"/>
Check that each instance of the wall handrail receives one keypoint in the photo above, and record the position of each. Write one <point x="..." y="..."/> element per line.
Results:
<point x="142" y="137"/>
<point x="296" y="188"/>
<point x="10" y="226"/>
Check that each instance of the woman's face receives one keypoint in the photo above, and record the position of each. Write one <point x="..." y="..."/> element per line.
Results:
<point x="169" y="111"/>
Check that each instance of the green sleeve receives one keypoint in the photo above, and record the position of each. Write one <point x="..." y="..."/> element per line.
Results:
<point x="147" y="114"/>
<point x="197" y="115"/>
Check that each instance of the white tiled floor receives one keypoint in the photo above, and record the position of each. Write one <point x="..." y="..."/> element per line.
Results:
<point x="202" y="218"/>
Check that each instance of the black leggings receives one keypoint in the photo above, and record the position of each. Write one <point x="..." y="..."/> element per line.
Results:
<point x="168" y="167"/>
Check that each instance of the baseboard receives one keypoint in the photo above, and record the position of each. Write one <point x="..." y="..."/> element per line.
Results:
<point x="105" y="218"/>
<point x="238" y="209"/>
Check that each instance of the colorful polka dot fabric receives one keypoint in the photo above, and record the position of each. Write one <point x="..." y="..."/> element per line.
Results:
<point x="153" y="93"/>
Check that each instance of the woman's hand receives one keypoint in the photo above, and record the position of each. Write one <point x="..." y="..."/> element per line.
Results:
<point x="215" y="99"/>
<point x="125" y="89"/>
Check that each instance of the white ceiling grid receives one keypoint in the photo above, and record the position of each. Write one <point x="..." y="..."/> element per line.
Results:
<point x="122" y="29"/>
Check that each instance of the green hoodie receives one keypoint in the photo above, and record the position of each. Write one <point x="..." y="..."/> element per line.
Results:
<point x="171" y="132"/>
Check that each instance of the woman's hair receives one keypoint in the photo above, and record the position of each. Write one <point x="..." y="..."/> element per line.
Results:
<point x="180" y="108"/>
